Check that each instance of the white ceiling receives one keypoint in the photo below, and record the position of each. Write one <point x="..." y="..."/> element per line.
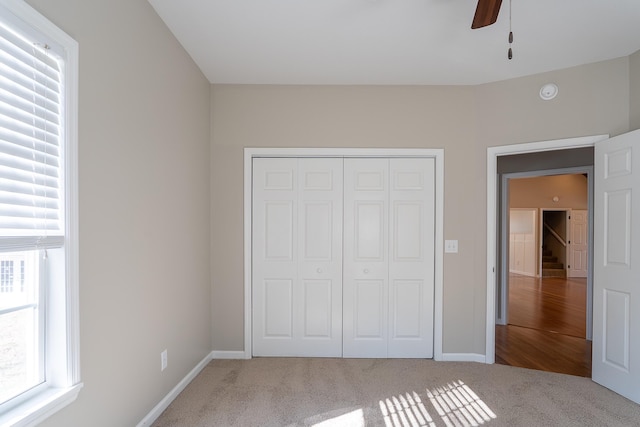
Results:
<point x="397" y="42"/>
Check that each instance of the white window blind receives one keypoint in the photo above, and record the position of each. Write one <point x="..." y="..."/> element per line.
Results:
<point x="31" y="205"/>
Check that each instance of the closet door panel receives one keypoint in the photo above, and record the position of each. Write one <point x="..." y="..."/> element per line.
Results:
<point x="369" y="309"/>
<point x="278" y="230"/>
<point x="320" y="261"/>
<point x="318" y="309"/>
<point x="411" y="263"/>
<point x="407" y="295"/>
<point x="278" y="308"/>
<point x="365" y="265"/>
<point x="275" y="254"/>
<point x="369" y="240"/>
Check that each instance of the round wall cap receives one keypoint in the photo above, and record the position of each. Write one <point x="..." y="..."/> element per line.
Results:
<point x="548" y="91"/>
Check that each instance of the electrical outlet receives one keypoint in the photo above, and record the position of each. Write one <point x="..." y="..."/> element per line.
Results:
<point x="163" y="360"/>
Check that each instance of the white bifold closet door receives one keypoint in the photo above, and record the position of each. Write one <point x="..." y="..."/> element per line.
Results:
<point x="343" y="268"/>
<point x="297" y="257"/>
<point x="388" y="267"/>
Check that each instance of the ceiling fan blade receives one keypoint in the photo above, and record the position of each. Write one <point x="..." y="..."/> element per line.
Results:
<point x="486" y="13"/>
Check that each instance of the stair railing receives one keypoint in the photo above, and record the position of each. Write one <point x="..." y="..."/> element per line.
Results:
<point x="556" y="235"/>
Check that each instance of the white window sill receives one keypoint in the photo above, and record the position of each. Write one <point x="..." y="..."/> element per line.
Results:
<point x="40" y="407"/>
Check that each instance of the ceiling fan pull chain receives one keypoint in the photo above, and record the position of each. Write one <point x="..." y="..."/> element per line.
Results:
<point x="510" y="51"/>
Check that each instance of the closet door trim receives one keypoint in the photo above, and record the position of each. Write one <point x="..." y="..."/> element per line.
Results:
<point x="436" y="154"/>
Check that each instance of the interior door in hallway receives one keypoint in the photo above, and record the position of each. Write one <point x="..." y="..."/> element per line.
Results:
<point x="578" y="244"/>
<point x="388" y="258"/>
<point x="616" y="293"/>
<point x="297" y="257"/>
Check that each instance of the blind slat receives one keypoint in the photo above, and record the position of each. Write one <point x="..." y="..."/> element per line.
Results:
<point x="13" y="244"/>
<point x="19" y="190"/>
<point x="29" y="215"/>
<point x="50" y="200"/>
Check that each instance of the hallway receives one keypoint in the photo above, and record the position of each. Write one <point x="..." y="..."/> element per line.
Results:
<point x="547" y="326"/>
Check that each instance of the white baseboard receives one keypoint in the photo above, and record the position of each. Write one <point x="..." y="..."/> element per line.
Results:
<point x="523" y="273"/>
<point x="464" y="357"/>
<point x="166" y="401"/>
<point x="229" y="355"/>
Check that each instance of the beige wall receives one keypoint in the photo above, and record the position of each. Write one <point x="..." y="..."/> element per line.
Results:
<point x="312" y="116"/>
<point x="144" y="209"/>
<point x="538" y="192"/>
<point x="634" y="89"/>
<point x="593" y="99"/>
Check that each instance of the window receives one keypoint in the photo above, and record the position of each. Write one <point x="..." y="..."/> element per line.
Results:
<point x="39" y="344"/>
<point x="6" y="276"/>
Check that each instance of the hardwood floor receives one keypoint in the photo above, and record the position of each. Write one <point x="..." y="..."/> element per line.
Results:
<point x="547" y="326"/>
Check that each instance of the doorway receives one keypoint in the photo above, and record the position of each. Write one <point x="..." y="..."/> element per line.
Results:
<point x="523" y="159"/>
<point x="545" y="310"/>
<point x="612" y="263"/>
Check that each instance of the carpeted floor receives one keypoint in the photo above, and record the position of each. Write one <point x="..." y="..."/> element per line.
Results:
<point x="390" y="392"/>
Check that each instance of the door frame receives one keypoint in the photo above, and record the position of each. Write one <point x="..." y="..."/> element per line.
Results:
<point x="492" y="226"/>
<point x="437" y="154"/>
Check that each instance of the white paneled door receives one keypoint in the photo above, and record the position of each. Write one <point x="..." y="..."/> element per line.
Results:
<point x="616" y="293"/>
<point x="343" y="268"/>
<point x="297" y="257"/>
<point x="578" y="243"/>
<point x="388" y="258"/>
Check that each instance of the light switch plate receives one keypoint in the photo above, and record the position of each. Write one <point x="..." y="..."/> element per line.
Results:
<point x="451" y="246"/>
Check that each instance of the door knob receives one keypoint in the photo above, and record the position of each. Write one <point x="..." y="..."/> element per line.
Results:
<point x="366" y="271"/>
<point x="319" y="270"/>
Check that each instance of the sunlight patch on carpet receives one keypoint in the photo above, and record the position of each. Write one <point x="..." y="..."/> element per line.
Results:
<point x="456" y="404"/>
<point x="459" y="406"/>
<point x="351" y="419"/>
<point x="405" y="410"/>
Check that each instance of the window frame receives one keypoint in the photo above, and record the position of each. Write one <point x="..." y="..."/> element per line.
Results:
<point x="62" y="348"/>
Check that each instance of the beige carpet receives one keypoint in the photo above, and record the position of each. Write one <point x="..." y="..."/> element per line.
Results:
<point x="372" y="392"/>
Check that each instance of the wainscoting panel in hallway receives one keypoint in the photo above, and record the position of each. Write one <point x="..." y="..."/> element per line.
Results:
<point x="547" y="324"/>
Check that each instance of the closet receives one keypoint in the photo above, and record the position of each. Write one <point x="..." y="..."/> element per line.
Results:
<point x="343" y="257"/>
